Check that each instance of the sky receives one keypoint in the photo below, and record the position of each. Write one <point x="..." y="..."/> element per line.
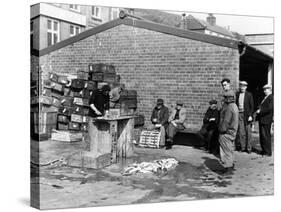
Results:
<point x="239" y="23"/>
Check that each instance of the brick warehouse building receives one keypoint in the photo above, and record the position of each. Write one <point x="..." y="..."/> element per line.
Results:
<point x="160" y="61"/>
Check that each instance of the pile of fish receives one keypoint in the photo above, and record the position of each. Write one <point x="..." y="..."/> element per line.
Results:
<point x="155" y="167"/>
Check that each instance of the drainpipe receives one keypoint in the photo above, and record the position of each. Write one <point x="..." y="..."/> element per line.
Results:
<point x="270" y="74"/>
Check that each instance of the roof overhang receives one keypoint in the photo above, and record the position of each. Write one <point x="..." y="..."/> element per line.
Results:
<point x="248" y="52"/>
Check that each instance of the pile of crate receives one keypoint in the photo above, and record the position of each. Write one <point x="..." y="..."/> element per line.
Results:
<point x="67" y="97"/>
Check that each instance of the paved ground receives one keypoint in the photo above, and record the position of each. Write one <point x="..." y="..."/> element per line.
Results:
<point x="196" y="177"/>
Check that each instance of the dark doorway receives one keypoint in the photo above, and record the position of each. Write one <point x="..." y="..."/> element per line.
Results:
<point x="254" y="68"/>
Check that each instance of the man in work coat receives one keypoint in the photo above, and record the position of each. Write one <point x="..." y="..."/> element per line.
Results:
<point x="159" y="119"/>
<point x="265" y="117"/>
<point x="210" y="127"/>
<point x="228" y="129"/>
<point x="245" y="104"/>
<point x="176" y="123"/>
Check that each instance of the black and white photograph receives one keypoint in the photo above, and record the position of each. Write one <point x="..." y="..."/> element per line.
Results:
<point x="133" y="106"/>
<point x="140" y="106"/>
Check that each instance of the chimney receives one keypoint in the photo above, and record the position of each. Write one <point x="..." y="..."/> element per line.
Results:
<point x="183" y="24"/>
<point x="211" y="19"/>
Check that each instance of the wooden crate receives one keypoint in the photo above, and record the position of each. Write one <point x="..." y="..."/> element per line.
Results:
<point x="42" y="124"/>
<point x="66" y="136"/>
<point x="86" y="160"/>
<point x="150" y="139"/>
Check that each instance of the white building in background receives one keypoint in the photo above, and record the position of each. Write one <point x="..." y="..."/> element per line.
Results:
<point x="52" y="22"/>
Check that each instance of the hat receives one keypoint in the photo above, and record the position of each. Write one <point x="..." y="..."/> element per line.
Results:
<point x="160" y="101"/>
<point x="179" y="103"/>
<point x="105" y="88"/>
<point x="243" y="83"/>
<point x="267" y="86"/>
<point x="213" y="102"/>
<point x="229" y="94"/>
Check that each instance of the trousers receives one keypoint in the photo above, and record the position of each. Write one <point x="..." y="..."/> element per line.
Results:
<point x="265" y="138"/>
<point x="244" y="135"/>
<point x="172" y="130"/>
<point x="226" y="150"/>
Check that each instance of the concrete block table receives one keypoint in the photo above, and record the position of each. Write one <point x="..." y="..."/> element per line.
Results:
<point x="112" y="140"/>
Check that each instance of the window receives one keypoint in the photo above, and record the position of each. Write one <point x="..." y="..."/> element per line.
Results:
<point x="114" y="13"/>
<point x="74" y="7"/>
<point x="52" y="32"/>
<point x="31" y="34"/>
<point x="96" y="12"/>
<point x="74" y="30"/>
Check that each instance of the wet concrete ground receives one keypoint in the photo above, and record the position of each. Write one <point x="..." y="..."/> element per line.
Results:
<point x="198" y="176"/>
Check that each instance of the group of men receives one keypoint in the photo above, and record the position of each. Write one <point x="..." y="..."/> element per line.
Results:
<point x="224" y="130"/>
<point x="235" y="122"/>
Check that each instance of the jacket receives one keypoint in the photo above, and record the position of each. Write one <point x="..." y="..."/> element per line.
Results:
<point x="163" y="116"/>
<point x="248" y="104"/>
<point x="182" y="116"/>
<point x="229" y="120"/>
<point x="266" y="111"/>
<point x="215" y="114"/>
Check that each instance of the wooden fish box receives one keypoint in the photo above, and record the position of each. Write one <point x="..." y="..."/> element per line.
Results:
<point x="97" y="77"/>
<point x="57" y="88"/>
<point x="53" y="77"/>
<point x="56" y="102"/>
<point x="66" y="136"/>
<point x="63" y="119"/>
<point x="86" y="160"/>
<point x="74" y="126"/>
<point x="63" y="80"/>
<point x="76" y="118"/>
<point x="65" y="110"/>
<point x="78" y="83"/>
<point x="91" y="85"/>
<point x="67" y="101"/>
<point x="150" y="139"/>
<point x="47" y="91"/>
<point x="114" y="113"/>
<point x="82" y="75"/>
<point x="42" y="125"/>
<point x="109" y="77"/>
<point x="46" y="100"/>
<point x="62" y="126"/>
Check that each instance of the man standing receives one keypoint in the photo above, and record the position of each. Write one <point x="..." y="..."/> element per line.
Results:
<point x="265" y="117"/>
<point x="176" y="123"/>
<point x="99" y="103"/>
<point x="245" y="103"/>
<point x="227" y="130"/>
<point x="159" y="119"/>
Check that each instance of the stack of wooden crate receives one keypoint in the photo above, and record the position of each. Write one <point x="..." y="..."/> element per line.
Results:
<point x="61" y="102"/>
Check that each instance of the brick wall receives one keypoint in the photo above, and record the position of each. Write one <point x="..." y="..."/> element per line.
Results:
<point x="157" y="65"/>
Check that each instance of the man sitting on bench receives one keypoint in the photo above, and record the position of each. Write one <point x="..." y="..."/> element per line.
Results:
<point x="209" y="130"/>
<point x="176" y="123"/>
<point x="159" y="119"/>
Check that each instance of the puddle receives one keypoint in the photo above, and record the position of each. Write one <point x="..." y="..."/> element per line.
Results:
<point x="184" y="179"/>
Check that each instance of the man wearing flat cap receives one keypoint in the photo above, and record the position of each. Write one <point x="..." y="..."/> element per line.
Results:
<point x="228" y="129"/>
<point x="245" y="104"/>
<point x="210" y="127"/>
<point x="265" y="117"/>
<point x="159" y="119"/>
<point x="176" y="123"/>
